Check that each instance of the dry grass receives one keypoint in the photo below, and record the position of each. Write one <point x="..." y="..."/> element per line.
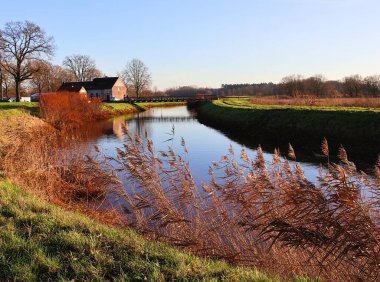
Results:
<point x="48" y="163"/>
<point x="251" y="213"/>
<point x="321" y="102"/>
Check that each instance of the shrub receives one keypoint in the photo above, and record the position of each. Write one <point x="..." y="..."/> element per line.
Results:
<point x="65" y="109"/>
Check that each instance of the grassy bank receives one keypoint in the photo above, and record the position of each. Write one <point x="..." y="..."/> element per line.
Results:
<point x="128" y="108"/>
<point x="39" y="241"/>
<point x="295" y="124"/>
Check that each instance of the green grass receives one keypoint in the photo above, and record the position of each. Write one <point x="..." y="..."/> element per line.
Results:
<point x="11" y="112"/>
<point x="30" y="107"/>
<point x="244" y="103"/>
<point x="147" y="105"/>
<point x="138" y="107"/>
<point x="119" y="106"/>
<point x="39" y="241"/>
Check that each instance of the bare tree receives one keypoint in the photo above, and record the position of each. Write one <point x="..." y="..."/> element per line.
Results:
<point x="21" y="44"/>
<point x="372" y="85"/>
<point x="315" y="86"/>
<point x="40" y="80"/>
<point x="136" y="76"/>
<point x="353" y="85"/>
<point x="292" y="85"/>
<point x="58" y="76"/>
<point x="82" y="67"/>
<point x="49" y="77"/>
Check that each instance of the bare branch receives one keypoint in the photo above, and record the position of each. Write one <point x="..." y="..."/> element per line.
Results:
<point x="136" y="75"/>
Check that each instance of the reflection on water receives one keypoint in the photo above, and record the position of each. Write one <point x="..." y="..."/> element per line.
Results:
<point x="204" y="143"/>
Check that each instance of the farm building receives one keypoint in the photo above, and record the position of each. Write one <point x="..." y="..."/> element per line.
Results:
<point x="106" y="88"/>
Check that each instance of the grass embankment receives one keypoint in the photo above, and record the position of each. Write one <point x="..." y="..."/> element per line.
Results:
<point x="39" y="241"/>
<point x="110" y="109"/>
<point x="297" y="124"/>
<point x="130" y="108"/>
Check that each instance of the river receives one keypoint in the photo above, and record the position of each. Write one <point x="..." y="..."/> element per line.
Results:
<point x="167" y="126"/>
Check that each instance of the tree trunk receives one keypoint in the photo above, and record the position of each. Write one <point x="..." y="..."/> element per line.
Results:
<point x="6" y="89"/>
<point x="17" y="80"/>
<point x="137" y="91"/>
<point x="1" y="87"/>
<point x="17" y="83"/>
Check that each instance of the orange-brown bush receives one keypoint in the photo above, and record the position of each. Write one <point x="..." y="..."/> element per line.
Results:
<point x="69" y="109"/>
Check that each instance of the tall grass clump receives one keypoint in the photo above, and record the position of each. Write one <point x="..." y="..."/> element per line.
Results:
<point x="69" y="109"/>
<point x="57" y="166"/>
<point x="255" y="213"/>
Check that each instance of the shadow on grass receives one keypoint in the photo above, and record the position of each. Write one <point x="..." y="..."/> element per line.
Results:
<point x="30" y="107"/>
<point x="137" y="107"/>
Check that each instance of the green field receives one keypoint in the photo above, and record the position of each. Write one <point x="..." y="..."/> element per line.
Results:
<point x="39" y="241"/>
<point x="244" y="103"/>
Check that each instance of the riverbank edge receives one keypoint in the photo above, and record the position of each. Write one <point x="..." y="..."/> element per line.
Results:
<point x="296" y="125"/>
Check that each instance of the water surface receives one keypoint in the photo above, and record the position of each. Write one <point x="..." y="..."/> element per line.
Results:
<point x="167" y="126"/>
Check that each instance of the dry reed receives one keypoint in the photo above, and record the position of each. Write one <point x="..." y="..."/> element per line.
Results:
<point x="255" y="214"/>
<point x="322" y="102"/>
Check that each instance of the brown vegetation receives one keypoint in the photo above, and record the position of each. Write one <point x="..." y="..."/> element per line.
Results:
<point x="65" y="109"/>
<point x="313" y="101"/>
<point x="48" y="163"/>
<point x="255" y="214"/>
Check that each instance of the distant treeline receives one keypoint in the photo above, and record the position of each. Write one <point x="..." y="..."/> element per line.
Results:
<point x="293" y="86"/>
<point x="297" y="86"/>
<point x="186" y="91"/>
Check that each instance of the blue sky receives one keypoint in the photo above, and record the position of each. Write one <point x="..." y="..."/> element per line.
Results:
<point x="210" y="42"/>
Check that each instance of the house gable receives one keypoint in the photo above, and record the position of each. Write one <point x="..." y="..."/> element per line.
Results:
<point x="119" y="90"/>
